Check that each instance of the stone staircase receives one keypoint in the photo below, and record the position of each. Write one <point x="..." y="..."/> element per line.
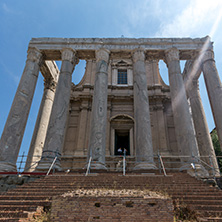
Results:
<point x="19" y="202"/>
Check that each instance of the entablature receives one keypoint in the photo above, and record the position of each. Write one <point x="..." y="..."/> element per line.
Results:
<point x="118" y="47"/>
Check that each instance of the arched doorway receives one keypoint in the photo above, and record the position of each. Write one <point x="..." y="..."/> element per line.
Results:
<point x="122" y="135"/>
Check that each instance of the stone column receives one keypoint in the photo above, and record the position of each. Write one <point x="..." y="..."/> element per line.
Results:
<point x="15" y="125"/>
<point x="214" y="89"/>
<point x="57" y="124"/>
<point x="97" y="143"/>
<point x="182" y="118"/>
<point x="41" y="126"/>
<point x="143" y="138"/>
<point x="200" y="123"/>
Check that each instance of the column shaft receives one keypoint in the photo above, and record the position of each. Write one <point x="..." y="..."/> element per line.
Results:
<point x="57" y="124"/>
<point x="143" y="138"/>
<point x="182" y="118"/>
<point x="214" y="89"/>
<point x="39" y="135"/>
<point x="200" y="123"/>
<point x="97" y="143"/>
<point x="15" y="125"/>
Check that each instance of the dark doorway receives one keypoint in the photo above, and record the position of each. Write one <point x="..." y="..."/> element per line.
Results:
<point x="122" y="141"/>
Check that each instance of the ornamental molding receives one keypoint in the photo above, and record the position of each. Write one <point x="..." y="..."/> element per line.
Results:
<point x="50" y="84"/>
<point x="102" y="54"/>
<point x="172" y="54"/>
<point x="207" y="55"/>
<point x="86" y="47"/>
<point x="138" y="55"/>
<point x="68" y="55"/>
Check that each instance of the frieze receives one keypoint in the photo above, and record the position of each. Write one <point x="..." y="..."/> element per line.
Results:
<point x="51" y="47"/>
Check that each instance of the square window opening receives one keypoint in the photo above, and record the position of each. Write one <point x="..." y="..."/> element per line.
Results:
<point x="122" y="77"/>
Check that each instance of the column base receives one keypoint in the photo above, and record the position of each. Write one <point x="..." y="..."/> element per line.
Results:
<point x="7" y="167"/>
<point x="196" y="170"/>
<point x="144" y="166"/>
<point x="214" y="173"/>
<point x="44" y="166"/>
<point x="97" y="166"/>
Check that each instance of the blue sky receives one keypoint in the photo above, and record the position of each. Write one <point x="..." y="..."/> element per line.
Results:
<point x="24" y="19"/>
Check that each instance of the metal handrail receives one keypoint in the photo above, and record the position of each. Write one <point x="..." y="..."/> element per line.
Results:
<point x="208" y="165"/>
<point x="129" y="159"/>
<point x="161" y="162"/>
<point x="124" y="162"/>
<point x="88" y="167"/>
<point x="51" y="166"/>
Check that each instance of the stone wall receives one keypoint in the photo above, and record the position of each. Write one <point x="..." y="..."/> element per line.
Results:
<point x="112" y="208"/>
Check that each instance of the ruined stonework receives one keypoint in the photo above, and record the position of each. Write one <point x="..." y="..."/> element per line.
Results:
<point x="121" y="102"/>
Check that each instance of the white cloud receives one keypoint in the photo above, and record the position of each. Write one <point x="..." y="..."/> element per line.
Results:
<point x="6" y="8"/>
<point x="9" y="10"/>
<point x="199" y="18"/>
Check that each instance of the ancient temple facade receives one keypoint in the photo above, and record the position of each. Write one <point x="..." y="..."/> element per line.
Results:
<point x="121" y="102"/>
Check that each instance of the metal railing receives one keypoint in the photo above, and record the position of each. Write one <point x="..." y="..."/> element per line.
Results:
<point x="122" y="163"/>
<point x="88" y="166"/>
<point x="53" y="162"/>
<point x="161" y="162"/>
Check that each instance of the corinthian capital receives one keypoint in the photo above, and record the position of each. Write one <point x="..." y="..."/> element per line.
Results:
<point x="34" y="55"/>
<point x="138" y="54"/>
<point x="171" y="54"/>
<point x="50" y="84"/>
<point x="69" y="55"/>
<point x="102" y="54"/>
<point x="207" y="55"/>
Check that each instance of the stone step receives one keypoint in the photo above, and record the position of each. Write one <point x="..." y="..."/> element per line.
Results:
<point x="12" y="214"/>
<point x="207" y="207"/>
<point x="142" y="179"/>
<point x="46" y="196"/>
<point x="170" y="189"/>
<point x="25" y="202"/>
<point x="9" y="219"/>
<point x="30" y="197"/>
<point x="196" y="197"/>
<point x="20" y="208"/>
<point x="190" y="191"/>
<point x="128" y="184"/>
<point x="214" y="219"/>
<point x="211" y="213"/>
<point x="203" y="202"/>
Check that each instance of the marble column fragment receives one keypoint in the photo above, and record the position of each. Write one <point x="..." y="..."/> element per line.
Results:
<point x="202" y="132"/>
<point x="15" y="125"/>
<point x="143" y="137"/>
<point x="214" y="89"/>
<point x="97" y="143"/>
<point x="182" y="118"/>
<point x="39" y="135"/>
<point x="57" y="123"/>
